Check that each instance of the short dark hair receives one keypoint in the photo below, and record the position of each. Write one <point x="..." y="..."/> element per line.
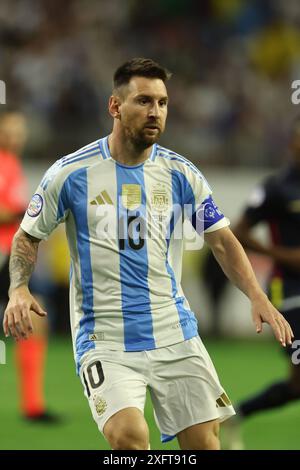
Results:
<point x="139" y="67"/>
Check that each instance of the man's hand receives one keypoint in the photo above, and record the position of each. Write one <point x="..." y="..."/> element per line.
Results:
<point x="17" y="321"/>
<point x="264" y="312"/>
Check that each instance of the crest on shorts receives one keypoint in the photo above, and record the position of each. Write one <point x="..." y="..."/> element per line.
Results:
<point x="223" y="401"/>
<point x="159" y="198"/>
<point x="100" y="404"/>
<point x="131" y="196"/>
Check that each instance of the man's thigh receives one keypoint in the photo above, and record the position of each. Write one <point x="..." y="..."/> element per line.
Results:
<point x="185" y="388"/>
<point x="127" y="429"/>
<point x="204" y="436"/>
<point x="111" y="385"/>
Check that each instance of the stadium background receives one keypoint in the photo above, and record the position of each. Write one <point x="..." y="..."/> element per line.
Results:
<point x="230" y="113"/>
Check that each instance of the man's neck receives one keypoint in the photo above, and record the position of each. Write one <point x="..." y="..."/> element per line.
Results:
<point x="124" y="152"/>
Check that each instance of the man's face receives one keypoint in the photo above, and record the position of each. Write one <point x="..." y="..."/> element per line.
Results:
<point x="143" y="110"/>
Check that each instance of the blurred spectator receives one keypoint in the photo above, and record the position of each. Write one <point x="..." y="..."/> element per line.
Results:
<point x="30" y="353"/>
<point x="276" y="203"/>
<point x="235" y="58"/>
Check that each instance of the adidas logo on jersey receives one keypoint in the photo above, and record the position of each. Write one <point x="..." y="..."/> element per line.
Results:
<point x="223" y="400"/>
<point x="101" y="199"/>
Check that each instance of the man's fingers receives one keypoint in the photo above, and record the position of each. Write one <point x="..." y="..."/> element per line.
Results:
<point x="277" y="331"/>
<point x="5" y="326"/>
<point x="27" y="320"/>
<point x="19" y="325"/>
<point x="288" y="329"/>
<point x="17" y="322"/>
<point x="289" y="332"/>
<point x="38" y="309"/>
<point x="281" y="328"/>
<point x="258" y="323"/>
<point x="25" y="315"/>
<point x="283" y="331"/>
<point x="11" y="327"/>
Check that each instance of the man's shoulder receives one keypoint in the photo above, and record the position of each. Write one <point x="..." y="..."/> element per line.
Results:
<point x="175" y="161"/>
<point x="67" y="165"/>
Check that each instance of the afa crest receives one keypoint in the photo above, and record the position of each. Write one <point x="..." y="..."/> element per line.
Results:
<point x="100" y="405"/>
<point x="159" y="198"/>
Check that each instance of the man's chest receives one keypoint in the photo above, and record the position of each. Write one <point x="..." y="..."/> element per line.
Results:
<point x="130" y="206"/>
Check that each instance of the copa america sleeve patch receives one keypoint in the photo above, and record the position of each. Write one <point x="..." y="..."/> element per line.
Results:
<point x="35" y="206"/>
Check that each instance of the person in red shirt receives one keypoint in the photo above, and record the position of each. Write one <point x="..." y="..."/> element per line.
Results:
<point x="30" y="353"/>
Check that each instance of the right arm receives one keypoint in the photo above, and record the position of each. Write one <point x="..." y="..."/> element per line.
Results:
<point x="23" y="258"/>
<point x="45" y="211"/>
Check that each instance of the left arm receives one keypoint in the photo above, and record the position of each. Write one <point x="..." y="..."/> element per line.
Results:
<point x="236" y="265"/>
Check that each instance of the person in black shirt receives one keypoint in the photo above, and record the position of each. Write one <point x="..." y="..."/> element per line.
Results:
<point x="277" y="203"/>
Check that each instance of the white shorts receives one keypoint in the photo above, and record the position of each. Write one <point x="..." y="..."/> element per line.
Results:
<point x="183" y="384"/>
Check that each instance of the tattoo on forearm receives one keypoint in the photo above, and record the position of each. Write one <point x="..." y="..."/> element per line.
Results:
<point x="22" y="260"/>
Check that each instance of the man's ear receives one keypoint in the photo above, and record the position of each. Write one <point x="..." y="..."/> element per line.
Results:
<point x="114" y="106"/>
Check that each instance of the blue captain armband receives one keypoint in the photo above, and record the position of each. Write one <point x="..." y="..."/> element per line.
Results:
<point x="206" y="215"/>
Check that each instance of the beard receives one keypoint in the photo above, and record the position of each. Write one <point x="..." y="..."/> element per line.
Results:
<point x="143" y="138"/>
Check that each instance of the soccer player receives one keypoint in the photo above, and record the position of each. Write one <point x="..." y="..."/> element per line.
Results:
<point x="276" y="203"/>
<point x="123" y="199"/>
<point x="30" y="355"/>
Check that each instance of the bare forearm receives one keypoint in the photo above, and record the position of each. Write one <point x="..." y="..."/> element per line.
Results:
<point x="236" y="265"/>
<point x="234" y="262"/>
<point x="22" y="260"/>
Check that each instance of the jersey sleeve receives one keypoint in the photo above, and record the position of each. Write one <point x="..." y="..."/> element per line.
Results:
<point x="204" y="214"/>
<point x="263" y="203"/>
<point x="48" y="206"/>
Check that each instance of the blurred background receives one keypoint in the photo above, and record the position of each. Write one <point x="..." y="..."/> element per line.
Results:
<point x="233" y="62"/>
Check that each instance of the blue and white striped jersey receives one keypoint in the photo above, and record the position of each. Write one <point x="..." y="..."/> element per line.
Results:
<point x="124" y="228"/>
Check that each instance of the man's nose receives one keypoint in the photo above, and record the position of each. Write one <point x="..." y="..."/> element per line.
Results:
<point x="154" y="110"/>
